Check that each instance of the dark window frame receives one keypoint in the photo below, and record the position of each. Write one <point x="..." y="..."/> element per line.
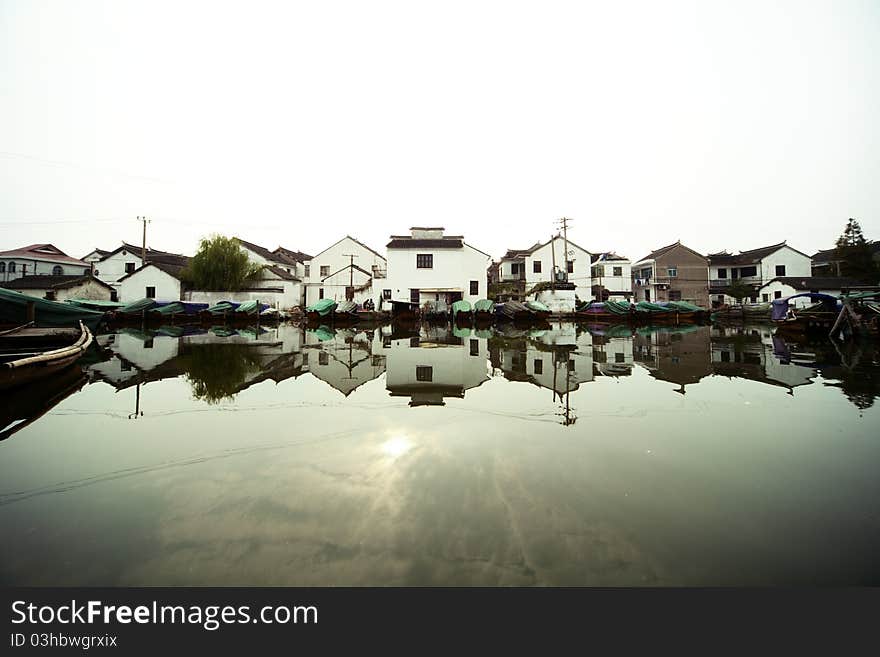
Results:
<point x="536" y="266"/>
<point x="147" y="292"/>
<point x="424" y="373"/>
<point x="475" y="287"/>
<point x="424" y="261"/>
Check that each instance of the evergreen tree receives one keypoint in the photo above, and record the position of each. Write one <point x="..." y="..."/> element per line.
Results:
<point x="854" y="252"/>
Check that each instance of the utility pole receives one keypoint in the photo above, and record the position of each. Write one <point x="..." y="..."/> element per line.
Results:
<point x="351" y="258"/>
<point x="144" y="241"/>
<point x="564" y="222"/>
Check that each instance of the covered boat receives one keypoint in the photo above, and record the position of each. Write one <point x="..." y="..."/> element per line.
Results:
<point x="462" y="311"/>
<point x="819" y="317"/>
<point x="538" y="308"/>
<point x="346" y="311"/>
<point x="251" y="308"/>
<point x="14" y="309"/>
<point x="28" y="354"/>
<point x="321" y="309"/>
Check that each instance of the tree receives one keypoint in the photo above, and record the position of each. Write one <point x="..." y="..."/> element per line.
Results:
<point x="854" y="253"/>
<point x="220" y="264"/>
<point x="739" y="290"/>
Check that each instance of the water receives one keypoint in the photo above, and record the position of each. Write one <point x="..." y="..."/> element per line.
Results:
<point x="700" y="456"/>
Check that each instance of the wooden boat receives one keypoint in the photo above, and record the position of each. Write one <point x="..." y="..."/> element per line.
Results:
<point x="462" y="313"/>
<point x="346" y="312"/>
<point x="321" y="311"/>
<point x="27" y="403"/>
<point x="817" y="318"/>
<point x="538" y="308"/>
<point x="28" y="354"/>
<point x="484" y="312"/>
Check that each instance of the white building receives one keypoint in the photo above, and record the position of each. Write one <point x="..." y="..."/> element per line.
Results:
<point x="786" y="286"/>
<point x="755" y="268"/>
<point x="535" y="265"/>
<point x="347" y="270"/>
<point x="38" y="260"/>
<point x="430" y="269"/>
<point x="155" y="280"/>
<point x="612" y="277"/>
<point x="273" y="286"/>
<point x="286" y="260"/>
<point x="110" y="266"/>
<point x="61" y="288"/>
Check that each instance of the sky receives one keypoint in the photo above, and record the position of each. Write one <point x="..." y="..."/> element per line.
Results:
<point x="727" y="125"/>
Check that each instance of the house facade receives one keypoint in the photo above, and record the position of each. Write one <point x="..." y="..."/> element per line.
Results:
<point x="612" y="277"/>
<point x="754" y="268"/>
<point x="39" y="260"/>
<point x="61" y="288"/>
<point x="672" y="273"/>
<point x="347" y="270"/>
<point x="522" y="269"/>
<point x="282" y="259"/>
<point x="428" y="269"/>
<point x="155" y="280"/>
<point x="124" y="260"/>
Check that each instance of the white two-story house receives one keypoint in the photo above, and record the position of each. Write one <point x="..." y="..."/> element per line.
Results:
<point x="347" y="270"/>
<point x="427" y="269"/>
<point x="112" y="266"/>
<point x="39" y="260"/>
<point x="612" y="277"/>
<point x="536" y="265"/>
<point x="755" y="268"/>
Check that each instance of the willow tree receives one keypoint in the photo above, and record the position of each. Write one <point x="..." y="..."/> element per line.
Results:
<point x="220" y="264"/>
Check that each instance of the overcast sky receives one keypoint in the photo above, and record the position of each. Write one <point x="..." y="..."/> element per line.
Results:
<point x="728" y="125"/>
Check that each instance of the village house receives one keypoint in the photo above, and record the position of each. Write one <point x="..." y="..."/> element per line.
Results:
<point x="754" y="268"/>
<point x="39" y="259"/>
<point x="430" y="269"/>
<point x="612" y="277"/>
<point x="155" y="280"/>
<point x="110" y="266"/>
<point x="672" y="273"/>
<point x="276" y="263"/>
<point x="827" y="263"/>
<point x="61" y="288"/>
<point x="522" y="269"/>
<point x="348" y="270"/>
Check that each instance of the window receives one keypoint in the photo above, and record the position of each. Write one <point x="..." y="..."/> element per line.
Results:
<point x="349" y="293"/>
<point x="386" y="341"/>
<point x="323" y="358"/>
<point x="2" y="267"/>
<point x="514" y="268"/>
<point x="780" y="270"/>
<point x="672" y="272"/>
<point x="748" y="271"/>
<point x="425" y="261"/>
<point x="571" y="365"/>
<point x="675" y="295"/>
<point x="97" y="272"/>
<point x="57" y="271"/>
<point x="151" y="292"/>
<point x="475" y="287"/>
<point x="148" y="343"/>
<point x="414" y="342"/>
<point x="386" y="294"/>
<point x="413" y="296"/>
<point x="536" y="266"/>
<point x="320" y="292"/>
<point x="305" y="359"/>
<point x="12" y="267"/>
<point x="569" y="266"/>
<point x="765" y="297"/>
<point x="722" y="272"/>
<point x="475" y="347"/>
<point x="50" y="295"/>
<point x="777" y="294"/>
<point x="539" y="366"/>
<point x="129" y="267"/>
<point x="619" y="357"/>
<point x="647" y="295"/>
<point x="307" y="269"/>
<point x="424" y="373"/>
<point x="618" y="271"/>
<point x="325" y="271"/>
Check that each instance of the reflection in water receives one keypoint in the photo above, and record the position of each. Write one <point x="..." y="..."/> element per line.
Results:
<point x="441" y="456"/>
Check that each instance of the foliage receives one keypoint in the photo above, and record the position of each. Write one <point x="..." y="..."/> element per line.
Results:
<point x="854" y="253"/>
<point x="220" y="264"/>
<point x="739" y="290"/>
<point x="218" y="371"/>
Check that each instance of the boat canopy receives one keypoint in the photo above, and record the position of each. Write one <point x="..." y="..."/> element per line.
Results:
<point x="95" y="304"/>
<point x="223" y="307"/>
<point x="779" y="307"/>
<point x="484" y="306"/>
<point x="251" y="308"/>
<point x="138" y="306"/>
<point x="346" y="307"/>
<point x="322" y="307"/>
<point x="537" y="306"/>
<point x="323" y="333"/>
<point x="461" y="306"/>
<point x="13" y="310"/>
<point x="461" y="331"/>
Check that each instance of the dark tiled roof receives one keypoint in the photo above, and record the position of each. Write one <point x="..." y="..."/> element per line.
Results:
<point x="152" y="254"/>
<point x="410" y="243"/>
<point x="282" y="273"/>
<point x="808" y="283"/>
<point x="830" y="255"/>
<point x="610" y="256"/>
<point x="297" y="256"/>
<point x="172" y="268"/>
<point x="750" y="257"/>
<point x="653" y="255"/>
<point x="49" y="282"/>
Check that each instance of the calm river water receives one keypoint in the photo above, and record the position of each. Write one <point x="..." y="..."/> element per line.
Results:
<point x="700" y="456"/>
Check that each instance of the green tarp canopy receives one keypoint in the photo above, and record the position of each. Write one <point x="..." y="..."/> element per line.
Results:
<point x="537" y="306"/>
<point x="647" y="306"/>
<point x="170" y="331"/>
<point x="138" y="306"/>
<point x="13" y="310"/>
<point x="222" y="307"/>
<point x="484" y="306"/>
<point x="322" y="333"/>
<point x="618" y="307"/>
<point x="461" y="331"/>
<point x="684" y="306"/>
<point x="322" y="307"/>
<point x="483" y="333"/>
<point x="95" y="304"/>
<point x="173" y="308"/>
<point x="461" y="306"/>
<point x="249" y="308"/>
<point x="223" y="332"/>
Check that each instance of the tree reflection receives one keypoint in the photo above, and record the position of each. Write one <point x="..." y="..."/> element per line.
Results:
<point x="217" y="371"/>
